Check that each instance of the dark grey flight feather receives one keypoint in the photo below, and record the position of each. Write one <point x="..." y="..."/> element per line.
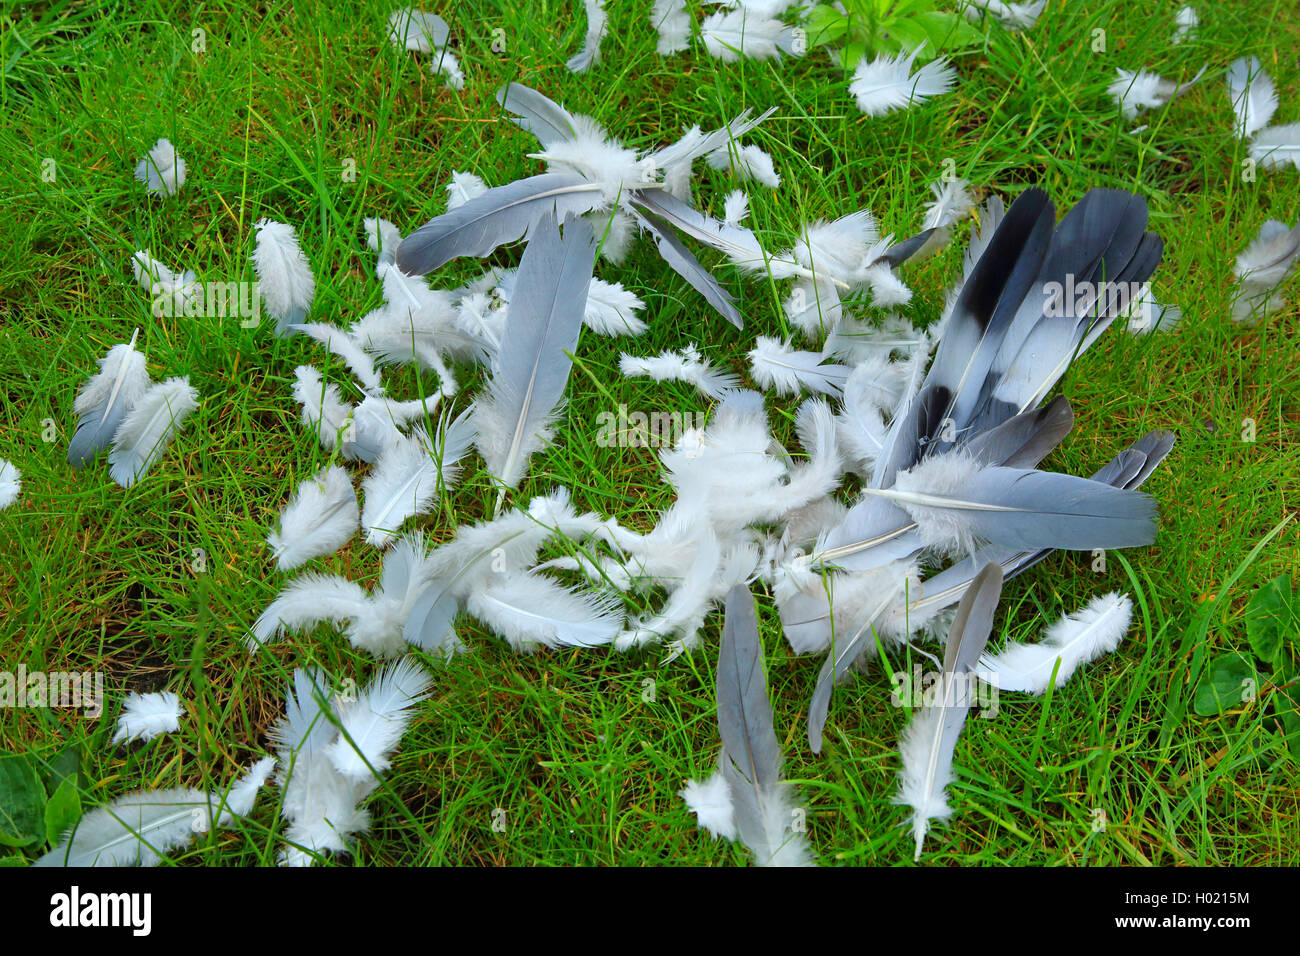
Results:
<point x="1127" y="471"/>
<point x="502" y="214"/>
<point x="1024" y="440"/>
<point x="684" y="263"/>
<point x="515" y="412"/>
<point x="900" y="252"/>
<point x="990" y="298"/>
<point x="537" y="114"/>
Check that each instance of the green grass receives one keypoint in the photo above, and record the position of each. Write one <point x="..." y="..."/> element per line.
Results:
<point x="95" y="577"/>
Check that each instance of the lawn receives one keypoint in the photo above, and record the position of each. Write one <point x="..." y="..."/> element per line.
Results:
<point x="302" y="111"/>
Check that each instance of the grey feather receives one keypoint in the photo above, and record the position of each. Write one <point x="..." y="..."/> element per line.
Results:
<point x="537" y="114"/>
<point x="502" y="214"/>
<point x="513" y="417"/>
<point x="1027" y="509"/>
<point x="680" y="258"/>
<point x="105" y="399"/>
<point x="751" y="753"/>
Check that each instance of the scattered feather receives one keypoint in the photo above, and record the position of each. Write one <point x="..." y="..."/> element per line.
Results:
<point x="284" y="278"/>
<point x="145" y="716"/>
<point x="162" y="170"/>
<point x="1074" y="640"/>
<point x="320" y="519"/>
<point x="149" y="427"/>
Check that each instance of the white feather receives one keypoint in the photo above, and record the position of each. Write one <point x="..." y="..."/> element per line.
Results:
<point x="162" y="170"/>
<point x="406" y="478"/>
<point x="732" y="34"/>
<point x="323" y="407"/>
<point x="319" y="520"/>
<point x="736" y="208"/>
<point x="383" y="238"/>
<point x="446" y="63"/>
<point x="105" y="399"/>
<point x="306" y="601"/>
<point x="710" y="801"/>
<point x="320" y="804"/>
<point x="1139" y="90"/>
<point x="684" y="366"/>
<point x="612" y="309"/>
<point x="1185" y="23"/>
<point x="887" y="83"/>
<point x="952" y="201"/>
<point x="749" y="162"/>
<point x="145" y="716"/>
<point x="1276" y="146"/>
<point x="342" y="344"/>
<point x="1074" y="640"/>
<point x="927" y="771"/>
<point x="138" y="828"/>
<point x="775" y="365"/>
<point x="462" y="188"/>
<point x="181" y="288"/>
<point x="374" y="722"/>
<point x="10" y="483"/>
<point x="149" y="427"/>
<point x="673" y="24"/>
<point x="416" y="30"/>
<point x="1013" y="16"/>
<point x="1252" y="95"/>
<point x="284" y="277"/>
<point x="589" y="55"/>
<point x="529" y="610"/>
